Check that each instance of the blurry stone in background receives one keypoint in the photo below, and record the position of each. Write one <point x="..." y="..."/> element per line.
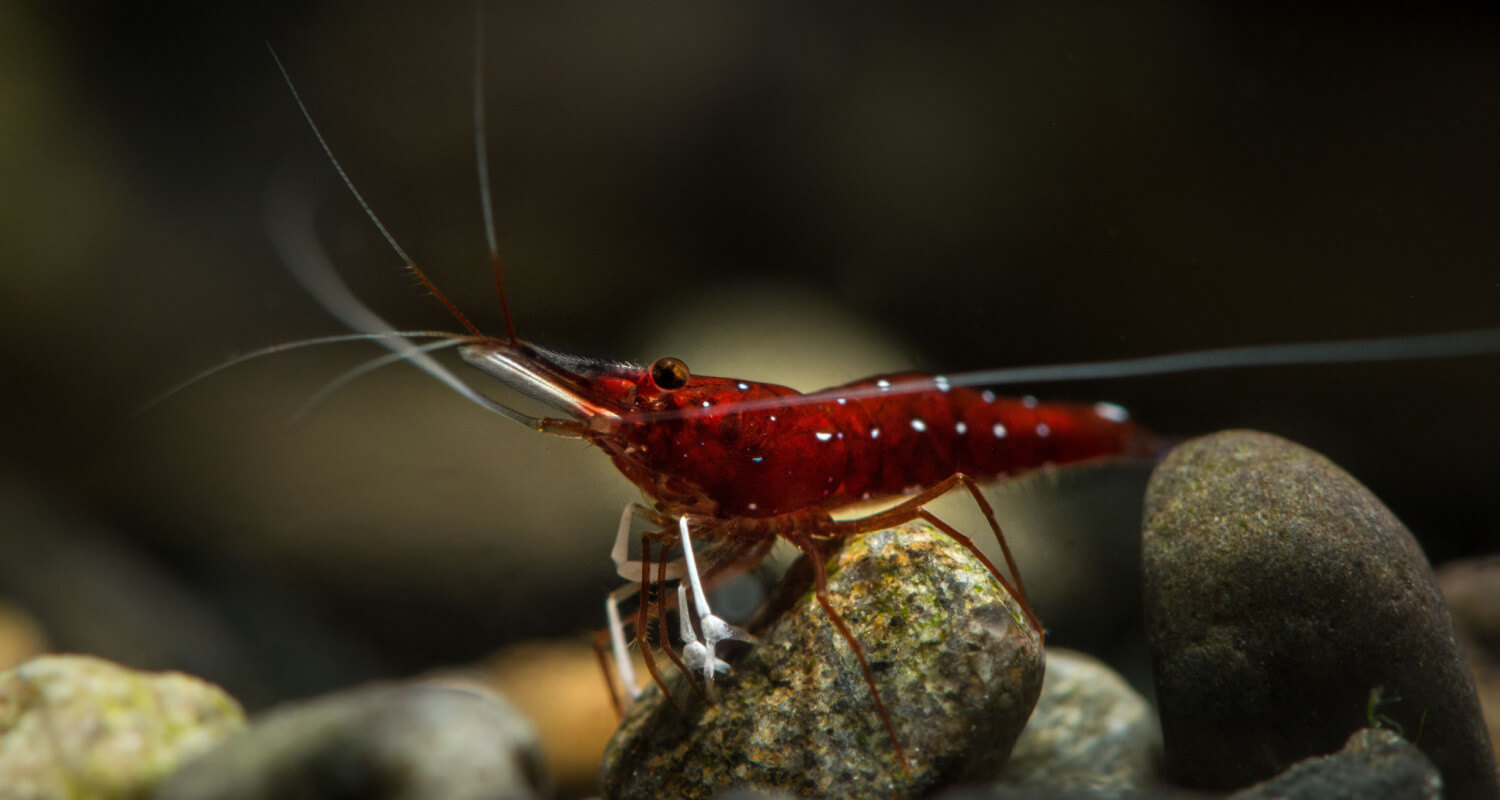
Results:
<point x="94" y="590"/>
<point x="446" y="740"/>
<point x="78" y="726"/>
<point x="1090" y="730"/>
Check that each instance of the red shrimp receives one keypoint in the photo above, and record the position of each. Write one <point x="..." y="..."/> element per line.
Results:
<point x="741" y="478"/>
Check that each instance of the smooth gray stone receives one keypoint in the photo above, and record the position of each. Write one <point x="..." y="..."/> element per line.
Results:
<point x="1281" y="596"/>
<point x="422" y="741"/>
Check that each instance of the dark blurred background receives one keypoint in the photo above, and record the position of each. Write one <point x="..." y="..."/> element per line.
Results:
<point x="803" y="193"/>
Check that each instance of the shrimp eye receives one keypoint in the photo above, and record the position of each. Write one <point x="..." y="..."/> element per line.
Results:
<point x="669" y="373"/>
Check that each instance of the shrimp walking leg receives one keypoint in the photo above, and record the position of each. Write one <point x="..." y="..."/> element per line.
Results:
<point x="652" y="596"/>
<point x="624" y="670"/>
<point x="625" y="567"/>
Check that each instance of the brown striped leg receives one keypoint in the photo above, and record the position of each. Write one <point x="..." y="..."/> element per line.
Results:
<point x="650" y="593"/>
<point x="601" y="646"/>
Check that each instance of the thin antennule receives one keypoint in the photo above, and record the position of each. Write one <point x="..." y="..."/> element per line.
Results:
<point x="334" y="386"/>
<point x="289" y="224"/>
<point x="448" y="338"/>
<point x="369" y="212"/>
<point x="481" y="152"/>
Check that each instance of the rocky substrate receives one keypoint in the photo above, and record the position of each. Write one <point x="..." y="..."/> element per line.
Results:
<point x="1300" y="647"/>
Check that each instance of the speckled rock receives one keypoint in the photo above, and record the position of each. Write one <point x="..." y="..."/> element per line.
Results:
<point x="75" y="727"/>
<point x="1090" y="729"/>
<point x="957" y="665"/>
<point x="383" y="742"/>
<point x="1279" y="595"/>
<point x="1375" y="764"/>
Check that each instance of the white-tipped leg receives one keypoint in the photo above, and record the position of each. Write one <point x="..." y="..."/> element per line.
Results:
<point x="696" y="653"/>
<point x="620" y="553"/>
<point x="634" y="571"/>
<point x="623" y="665"/>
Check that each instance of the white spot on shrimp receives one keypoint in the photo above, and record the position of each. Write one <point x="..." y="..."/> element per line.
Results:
<point x="1029" y="401"/>
<point x="752" y="506"/>
<point x="864" y="496"/>
<point x="773" y="417"/>
<point x="841" y="435"/>
<point x="1111" y="412"/>
<point x="874" y="433"/>
<point x="1043" y="430"/>
<point x="823" y="436"/>
<point x="883" y="383"/>
<point x="706" y="404"/>
<point x="999" y="430"/>
<point x="942" y="384"/>
<point x="961" y="428"/>
<point x="757" y="459"/>
<point x="987" y="396"/>
<point x="918" y="425"/>
<point x="843" y="400"/>
<point x="742" y="386"/>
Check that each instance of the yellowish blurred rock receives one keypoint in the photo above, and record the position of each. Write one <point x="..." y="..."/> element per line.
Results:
<point x="559" y="687"/>
<point x="82" y="727"/>
<point x="21" y="636"/>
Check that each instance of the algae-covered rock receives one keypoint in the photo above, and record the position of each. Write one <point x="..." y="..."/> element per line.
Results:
<point x="1283" y="601"/>
<point x="1090" y="730"/>
<point x="420" y="741"/>
<point x="76" y="727"/>
<point x="955" y="660"/>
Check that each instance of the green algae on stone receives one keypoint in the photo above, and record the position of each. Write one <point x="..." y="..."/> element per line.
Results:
<point x="1279" y="594"/>
<point x="956" y="663"/>
<point x="74" y="727"/>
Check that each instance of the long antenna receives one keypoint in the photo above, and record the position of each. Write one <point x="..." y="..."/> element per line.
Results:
<point x="481" y="152"/>
<point x="369" y="212"/>
<point x="1352" y="351"/>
